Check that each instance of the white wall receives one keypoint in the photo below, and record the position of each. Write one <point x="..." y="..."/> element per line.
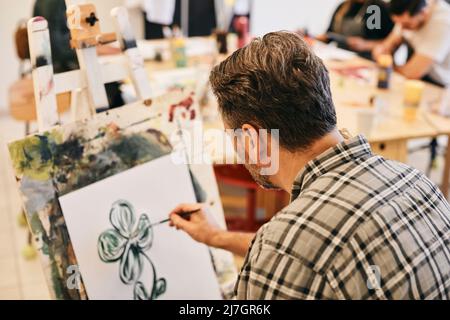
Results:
<point x="268" y="15"/>
<point x="275" y="15"/>
<point x="10" y="13"/>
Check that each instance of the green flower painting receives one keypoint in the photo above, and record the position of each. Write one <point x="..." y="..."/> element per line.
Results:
<point x="127" y="244"/>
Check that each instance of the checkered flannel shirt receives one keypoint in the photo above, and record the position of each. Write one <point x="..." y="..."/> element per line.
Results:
<point x="358" y="227"/>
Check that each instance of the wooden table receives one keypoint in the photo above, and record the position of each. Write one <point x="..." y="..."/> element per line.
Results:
<point x="195" y="54"/>
<point x="391" y="131"/>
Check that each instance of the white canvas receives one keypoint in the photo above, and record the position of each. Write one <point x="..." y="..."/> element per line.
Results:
<point x="154" y="188"/>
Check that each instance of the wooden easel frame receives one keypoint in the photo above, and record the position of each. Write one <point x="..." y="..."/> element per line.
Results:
<point x="87" y="87"/>
<point x="86" y="84"/>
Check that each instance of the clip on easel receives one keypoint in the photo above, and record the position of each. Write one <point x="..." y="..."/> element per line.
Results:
<point x="86" y="84"/>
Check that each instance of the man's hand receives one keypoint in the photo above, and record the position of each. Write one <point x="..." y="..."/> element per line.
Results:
<point x="390" y="44"/>
<point x="200" y="229"/>
<point x="196" y="226"/>
<point x="379" y="50"/>
<point x="416" y="67"/>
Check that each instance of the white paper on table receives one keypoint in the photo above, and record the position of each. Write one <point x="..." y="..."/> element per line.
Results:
<point x="330" y="52"/>
<point x="164" y="81"/>
<point x="154" y="188"/>
<point x="147" y="49"/>
<point x="200" y="46"/>
<point x="444" y="107"/>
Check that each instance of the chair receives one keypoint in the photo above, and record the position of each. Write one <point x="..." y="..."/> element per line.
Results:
<point x="22" y="106"/>
<point x="257" y="199"/>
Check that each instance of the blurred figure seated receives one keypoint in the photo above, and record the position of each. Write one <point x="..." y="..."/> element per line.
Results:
<point x="353" y="26"/>
<point x="425" y="26"/>
<point x="159" y="14"/>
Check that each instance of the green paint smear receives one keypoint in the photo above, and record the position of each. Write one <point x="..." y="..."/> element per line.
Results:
<point x="55" y="276"/>
<point x="136" y="149"/>
<point x="30" y="157"/>
<point x="33" y="156"/>
<point x="37" y="228"/>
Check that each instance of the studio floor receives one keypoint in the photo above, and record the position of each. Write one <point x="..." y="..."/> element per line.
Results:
<point x="19" y="278"/>
<point x="24" y="279"/>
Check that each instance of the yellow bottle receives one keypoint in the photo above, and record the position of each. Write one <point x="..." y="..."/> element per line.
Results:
<point x="179" y="52"/>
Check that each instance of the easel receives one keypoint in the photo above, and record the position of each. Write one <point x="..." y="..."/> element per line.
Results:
<point x="86" y="84"/>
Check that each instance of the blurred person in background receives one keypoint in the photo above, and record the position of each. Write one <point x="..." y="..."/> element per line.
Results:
<point x="168" y="13"/>
<point x="202" y="17"/>
<point x="349" y="26"/>
<point x="242" y="8"/>
<point x="425" y="26"/>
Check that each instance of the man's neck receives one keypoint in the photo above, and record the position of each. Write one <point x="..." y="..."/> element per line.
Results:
<point x="292" y="163"/>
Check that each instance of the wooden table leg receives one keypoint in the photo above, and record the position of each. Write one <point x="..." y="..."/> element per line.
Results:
<point x="446" y="175"/>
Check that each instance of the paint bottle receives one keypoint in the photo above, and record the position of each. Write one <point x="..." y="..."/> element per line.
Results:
<point x="178" y="45"/>
<point x="385" y="66"/>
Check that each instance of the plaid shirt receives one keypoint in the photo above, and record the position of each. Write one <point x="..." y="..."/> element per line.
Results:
<point x="358" y="227"/>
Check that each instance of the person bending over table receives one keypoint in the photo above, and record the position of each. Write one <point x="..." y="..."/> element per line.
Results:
<point x="358" y="227"/>
<point x="201" y="16"/>
<point x="425" y="25"/>
<point x="351" y="29"/>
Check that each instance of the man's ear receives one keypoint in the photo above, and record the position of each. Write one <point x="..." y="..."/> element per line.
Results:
<point x="251" y="143"/>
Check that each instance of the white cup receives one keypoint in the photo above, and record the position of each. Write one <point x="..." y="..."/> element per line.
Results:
<point x="444" y="108"/>
<point x="365" y="119"/>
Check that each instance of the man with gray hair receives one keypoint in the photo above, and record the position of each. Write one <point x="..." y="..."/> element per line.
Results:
<point x="358" y="226"/>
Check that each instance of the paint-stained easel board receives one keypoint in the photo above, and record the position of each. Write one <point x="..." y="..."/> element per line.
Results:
<point x="68" y="158"/>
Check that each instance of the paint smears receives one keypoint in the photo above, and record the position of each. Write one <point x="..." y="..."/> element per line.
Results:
<point x="136" y="149"/>
<point x="31" y="157"/>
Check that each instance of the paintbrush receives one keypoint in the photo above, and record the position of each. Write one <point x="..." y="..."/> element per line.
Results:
<point x="184" y="215"/>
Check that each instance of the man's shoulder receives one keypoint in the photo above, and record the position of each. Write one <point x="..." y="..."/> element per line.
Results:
<point x="443" y="12"/>
<point x="310" y="236"/>
<point x="439" y="20"/>
<point x="326" y="216"/>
